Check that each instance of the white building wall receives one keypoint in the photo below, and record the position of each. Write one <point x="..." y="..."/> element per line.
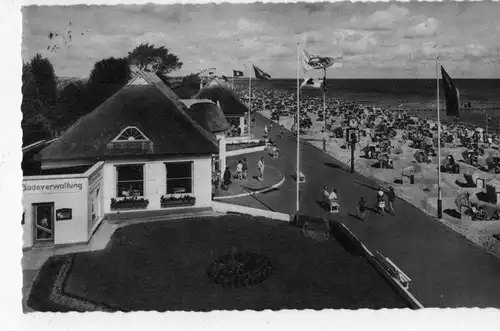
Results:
<point x="155" y="180"/>
<point x="203" y="182"/>
<point x="221" y="138"/>
<point x="38" y="189"/>
<point x="108" y="186"/>
<point x="155" y="183"/>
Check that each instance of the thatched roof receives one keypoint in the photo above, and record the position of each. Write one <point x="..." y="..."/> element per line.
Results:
<point x="228" y="100"/>
<point x="209" y="116"/>
<point x="154" y="109"/>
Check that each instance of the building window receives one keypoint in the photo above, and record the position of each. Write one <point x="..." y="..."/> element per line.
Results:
<point x="131" y="133"/>
<point x="179" y="177"/>
<point x="130" y="181"/>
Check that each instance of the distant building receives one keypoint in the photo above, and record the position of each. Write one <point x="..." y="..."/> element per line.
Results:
<point x="237" y="114"/>
<point x="210" y="117"/>
<point x="142" y="149"/>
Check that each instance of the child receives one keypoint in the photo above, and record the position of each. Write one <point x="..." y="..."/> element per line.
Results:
<point x="227" y="178"/>
<point x="245" y="168"/>
<point x="391" y="197"/>
<point x="260" y="166"/>
<point x="381" y="201"/>
<point x="362" y="209"/>
<point x="239" y="170"/>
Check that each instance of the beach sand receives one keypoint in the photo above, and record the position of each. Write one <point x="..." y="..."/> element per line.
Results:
<point x="422" y="194"/>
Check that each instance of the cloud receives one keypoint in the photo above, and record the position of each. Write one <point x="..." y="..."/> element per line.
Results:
<point x="370" y="35"/>
<point x="354" y="42"/>
<point x="384" y="19"/>
<point x="246" y="25"/>
<point x="425" y="29"/>
<point x="312" y="38"/>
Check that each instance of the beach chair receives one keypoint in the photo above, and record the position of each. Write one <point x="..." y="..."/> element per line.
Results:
<point x="334" y="206"/>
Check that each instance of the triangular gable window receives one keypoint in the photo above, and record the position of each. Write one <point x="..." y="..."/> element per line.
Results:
<point x="131" y="133"/>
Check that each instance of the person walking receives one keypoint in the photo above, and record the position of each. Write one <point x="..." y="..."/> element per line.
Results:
<point x="245" y="168"/>
<point x="334" y="201"/>
<point x="362" y="209"/>
<point x="381" y="201"/>
<point x="260" y="166"/>
<point x="265" y="131"/>
<point x="391" y="197"/>
<point x="227" y="178"/>
<point x="239" y="170"/>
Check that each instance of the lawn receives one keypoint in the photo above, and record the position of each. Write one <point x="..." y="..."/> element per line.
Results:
<point x="163" y="266"/>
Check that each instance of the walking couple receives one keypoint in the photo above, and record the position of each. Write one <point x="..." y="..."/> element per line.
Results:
<point x="380" y="206"/>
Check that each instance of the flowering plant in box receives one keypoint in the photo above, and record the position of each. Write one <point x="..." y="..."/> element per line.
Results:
<point x="179" y="199"/>
<point x="129" y="202"/>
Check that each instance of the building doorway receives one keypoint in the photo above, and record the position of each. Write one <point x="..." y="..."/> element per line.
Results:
<point x="44" y="222"/>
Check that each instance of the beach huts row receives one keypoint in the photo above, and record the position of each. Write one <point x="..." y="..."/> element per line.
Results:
<point x="144" y="148"/>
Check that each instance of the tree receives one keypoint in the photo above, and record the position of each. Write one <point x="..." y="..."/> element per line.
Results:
<point x="191" y="80"/>
<point x="35" y="124"/>
<point x="71" y="103"/>
<point x="106" y="78"/>
<point x="157" y="59"/>
<point x="45" y="79"/>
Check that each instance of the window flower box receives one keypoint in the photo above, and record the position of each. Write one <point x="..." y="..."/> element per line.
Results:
<point x="177" y="201"/>
<point x="129" y="203"/>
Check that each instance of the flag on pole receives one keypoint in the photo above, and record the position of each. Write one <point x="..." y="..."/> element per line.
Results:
<point x="451" y="95"/>
<point x="312" y="83"/>
<point x="311" y="61"/>
<point x="259" y="74"/>
<point x="237" y="73"/>
<point x="224" y="78"/>
<point x="209" y="72"/>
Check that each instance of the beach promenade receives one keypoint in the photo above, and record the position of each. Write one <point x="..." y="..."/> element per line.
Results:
<point x="446" y="269"/>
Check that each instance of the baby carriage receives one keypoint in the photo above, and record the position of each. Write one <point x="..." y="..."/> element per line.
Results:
<point x="332" y="203"/>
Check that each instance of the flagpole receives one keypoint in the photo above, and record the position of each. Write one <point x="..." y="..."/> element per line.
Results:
<point x="324" y="112"/>
<point x="249" y="99"/>
<point x="298" y="127"/>
<point x="486" y="126"/>
<point x="439" y="201"/>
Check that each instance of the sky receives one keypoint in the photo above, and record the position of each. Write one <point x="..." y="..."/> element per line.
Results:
<point x="375" y="40"/>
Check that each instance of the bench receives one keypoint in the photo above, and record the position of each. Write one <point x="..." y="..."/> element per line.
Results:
<point x="393" y="270"/>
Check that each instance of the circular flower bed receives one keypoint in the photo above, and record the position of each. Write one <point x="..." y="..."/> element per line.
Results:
<point x="240" y="269"/>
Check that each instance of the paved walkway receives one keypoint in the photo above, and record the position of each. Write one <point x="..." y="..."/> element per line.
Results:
<point x="446" y="269"/>
<point x="272" y="176"/>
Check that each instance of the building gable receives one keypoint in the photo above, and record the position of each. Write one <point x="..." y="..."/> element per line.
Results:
<point x="131" y="133"/>
<point x="138" y="80"/>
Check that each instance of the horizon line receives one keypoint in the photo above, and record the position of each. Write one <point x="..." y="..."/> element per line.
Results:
<point x="344" y="78"/>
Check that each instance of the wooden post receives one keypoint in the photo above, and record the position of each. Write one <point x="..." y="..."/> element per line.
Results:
<point x="353" y="147"/>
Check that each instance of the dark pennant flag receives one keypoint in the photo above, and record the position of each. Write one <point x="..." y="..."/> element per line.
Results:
<point x="451" y="95"/>
<point x="237" y="73"/>
<point x="259" y="74"/>
<point x="225" y="78"/>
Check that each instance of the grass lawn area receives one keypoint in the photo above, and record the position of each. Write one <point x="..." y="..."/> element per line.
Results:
<point x="163" y="266"/>
<point x="38" y="298"/>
